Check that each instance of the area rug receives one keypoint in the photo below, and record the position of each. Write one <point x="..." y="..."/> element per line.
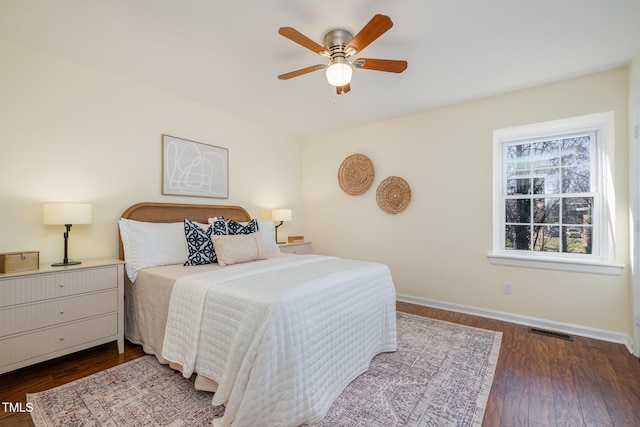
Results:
<point x="441" y="375"/>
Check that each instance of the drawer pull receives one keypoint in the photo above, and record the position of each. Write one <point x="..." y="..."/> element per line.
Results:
<point x="61" y="338"/>
<point x="61" y="311"/>
<point x="61" y="285"/>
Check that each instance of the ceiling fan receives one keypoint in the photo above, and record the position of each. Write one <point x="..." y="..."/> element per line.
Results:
<point x="339" y="46"/>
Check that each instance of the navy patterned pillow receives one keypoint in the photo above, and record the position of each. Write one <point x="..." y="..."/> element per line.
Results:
<point x="237" y="228"/>
<point x="199" y="244"/>
<point x="219" y="225"/>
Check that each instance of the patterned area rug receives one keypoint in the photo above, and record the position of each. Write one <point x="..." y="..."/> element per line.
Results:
<point x="441" y="375"/>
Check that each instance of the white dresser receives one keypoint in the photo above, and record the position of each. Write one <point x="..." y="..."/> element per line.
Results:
<point x="54" y="311"/>
<point x="296" y="248"/>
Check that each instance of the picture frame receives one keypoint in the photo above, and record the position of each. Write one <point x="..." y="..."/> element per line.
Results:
<point x="191" y="168"/>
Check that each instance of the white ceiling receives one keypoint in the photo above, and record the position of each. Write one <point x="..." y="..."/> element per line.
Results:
<point x="227" y="54"/>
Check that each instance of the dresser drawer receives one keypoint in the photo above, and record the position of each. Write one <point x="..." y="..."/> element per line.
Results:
<point x="54" y="312"/>
<point x="42" y="342"/>
<point x="296" y="248"/>
<point x="38" y="287"/>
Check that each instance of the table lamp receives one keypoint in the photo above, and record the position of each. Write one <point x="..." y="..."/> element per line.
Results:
<point x="66" y="214"/>
<point x="280" y="215"/>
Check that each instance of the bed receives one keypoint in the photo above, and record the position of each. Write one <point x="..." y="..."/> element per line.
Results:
<point x="277" y="338"/>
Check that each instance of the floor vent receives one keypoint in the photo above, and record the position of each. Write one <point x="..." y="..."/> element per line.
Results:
<point x="553" y="334"/>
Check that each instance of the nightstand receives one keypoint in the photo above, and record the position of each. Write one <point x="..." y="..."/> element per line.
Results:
<point x="54" y="311"/>
<point x="296" y="248"/>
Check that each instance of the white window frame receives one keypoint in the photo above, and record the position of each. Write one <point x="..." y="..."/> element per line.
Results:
<point x="601" y="261"/>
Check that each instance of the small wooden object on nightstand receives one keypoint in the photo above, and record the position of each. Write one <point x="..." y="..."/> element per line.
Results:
<point x="296" y="248"/>
<point x="55" y="311"/>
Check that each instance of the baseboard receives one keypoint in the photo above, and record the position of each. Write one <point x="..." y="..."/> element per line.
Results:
<point x="567" y="328"/>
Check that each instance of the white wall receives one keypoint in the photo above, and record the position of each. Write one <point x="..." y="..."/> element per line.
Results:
<point x="69" y="133"/>
<point x="634" y="74"/>
<point x="437" y="248"/>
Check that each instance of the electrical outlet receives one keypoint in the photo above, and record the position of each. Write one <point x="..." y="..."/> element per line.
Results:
<point x="637" y="318"/>
<point x="506" y="287"/>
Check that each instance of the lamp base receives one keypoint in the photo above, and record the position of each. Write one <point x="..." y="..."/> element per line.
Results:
<point x="64" y="264"/>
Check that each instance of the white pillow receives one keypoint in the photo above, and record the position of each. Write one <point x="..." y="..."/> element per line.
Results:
<point x="268" y="233"/>
<point x="233" y="249"/>
<point x="149" y="244"/>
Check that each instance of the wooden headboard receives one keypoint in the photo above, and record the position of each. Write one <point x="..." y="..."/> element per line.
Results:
<point x="178" y="212"/>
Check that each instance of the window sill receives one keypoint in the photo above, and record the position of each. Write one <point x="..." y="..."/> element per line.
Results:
<point x="578" y="266"/>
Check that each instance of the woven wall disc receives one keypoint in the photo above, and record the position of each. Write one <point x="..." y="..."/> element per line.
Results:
<point x="393" y="195"/>
<point x="355" y="174"/>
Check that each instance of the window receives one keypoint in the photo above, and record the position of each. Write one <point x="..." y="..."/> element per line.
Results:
<point x="552" y="194"/>
<point x="549" y="194"/>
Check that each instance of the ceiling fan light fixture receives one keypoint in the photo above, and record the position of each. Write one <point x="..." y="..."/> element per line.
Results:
<point x="339" y="46"/>
<point x="339" y="73"/>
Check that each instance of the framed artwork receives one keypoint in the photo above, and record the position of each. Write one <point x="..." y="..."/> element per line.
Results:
<point x="191" y="168"/>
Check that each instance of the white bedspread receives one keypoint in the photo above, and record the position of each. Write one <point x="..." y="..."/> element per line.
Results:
<point x="281" y="337"/>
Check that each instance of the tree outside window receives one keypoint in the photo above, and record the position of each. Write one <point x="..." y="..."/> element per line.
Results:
<point x="548" y="203"/>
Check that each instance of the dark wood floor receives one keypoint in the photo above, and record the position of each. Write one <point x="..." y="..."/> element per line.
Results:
<point x="539" y="380"/>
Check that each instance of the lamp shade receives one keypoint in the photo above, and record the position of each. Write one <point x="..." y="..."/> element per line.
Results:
<point x="281" y="215"/>
<point x="67" y="213"/>
<point x="339" y="74"/>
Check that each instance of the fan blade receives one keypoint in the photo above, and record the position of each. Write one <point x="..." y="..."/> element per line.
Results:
<point x="389" y="65"/>
<point x="343" y="89"/>
<point x="297" y="73"/>
<point x="304" y="41"/>
<point x="378" y="25"/>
